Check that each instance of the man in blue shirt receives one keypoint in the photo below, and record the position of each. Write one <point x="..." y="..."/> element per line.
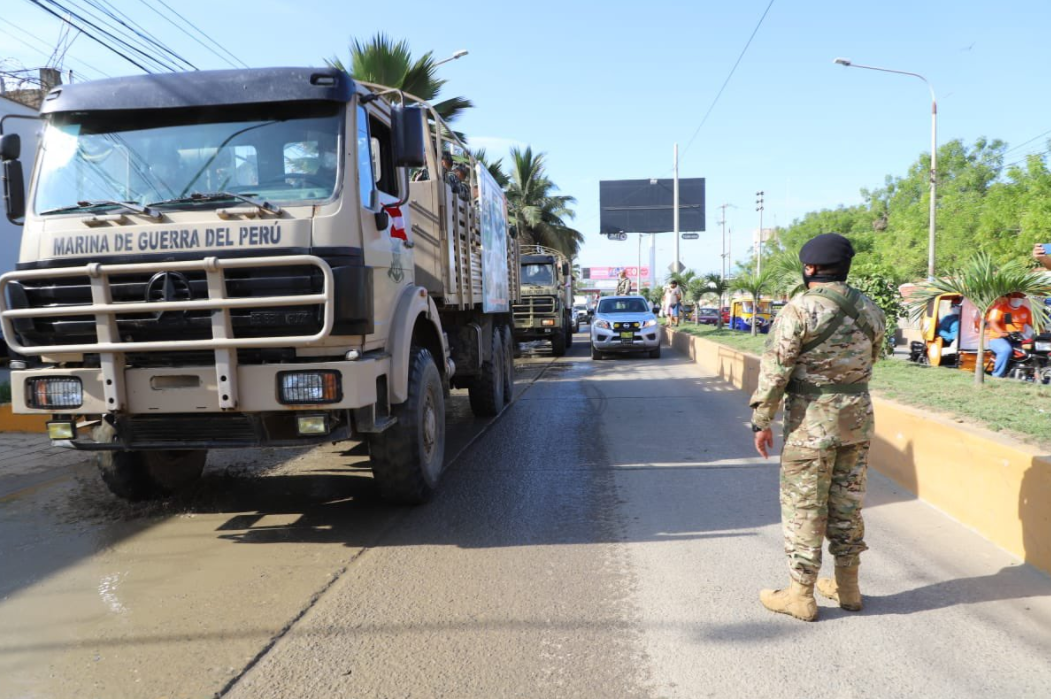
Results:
<point x="949" y="325"/>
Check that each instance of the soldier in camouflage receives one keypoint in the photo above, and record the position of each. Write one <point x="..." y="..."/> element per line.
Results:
<point x="819" y="357"/>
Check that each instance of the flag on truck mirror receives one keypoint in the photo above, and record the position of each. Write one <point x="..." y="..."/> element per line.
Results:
<point x="397" y="224"/>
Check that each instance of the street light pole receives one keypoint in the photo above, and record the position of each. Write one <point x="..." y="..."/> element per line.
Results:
<point x="459" y="54"/>
<point x="675" y="207"/>
<point x="759" y="240"/>
<point x="934" y="152"/>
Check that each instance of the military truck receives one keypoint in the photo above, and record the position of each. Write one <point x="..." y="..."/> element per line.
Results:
<point x="267" y="257"/>
<point x="546" y="308"/>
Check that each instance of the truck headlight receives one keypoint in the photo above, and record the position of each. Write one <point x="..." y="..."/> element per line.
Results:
<point x="650" y="323"/>
<point x="309" y="387"/>
<point x="602" y="324"/>
<point x="48" y="392"/>
<point x="548" y="321"/>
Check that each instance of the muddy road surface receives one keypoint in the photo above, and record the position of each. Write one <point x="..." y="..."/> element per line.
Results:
<point x="606" y="536"/>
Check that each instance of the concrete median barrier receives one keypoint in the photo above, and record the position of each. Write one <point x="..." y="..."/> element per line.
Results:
<point x="998" y="486"/>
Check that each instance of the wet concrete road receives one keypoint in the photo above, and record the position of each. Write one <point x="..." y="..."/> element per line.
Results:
<point x="605" y="537"/>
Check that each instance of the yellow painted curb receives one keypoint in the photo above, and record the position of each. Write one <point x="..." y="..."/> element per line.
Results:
<point x="998" y="486"/>
<point x="9" y="422"/>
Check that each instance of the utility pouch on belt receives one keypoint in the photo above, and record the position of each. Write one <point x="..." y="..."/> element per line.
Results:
<point x="848" y="306"/>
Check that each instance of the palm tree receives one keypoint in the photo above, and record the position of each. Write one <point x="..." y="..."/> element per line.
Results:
<point x="383" y="61"/>
<point x="788" y="270"/>
<point x="755" y="285"/>
<point x="981" y="282"/>
<point x="537" y="211"/>
<point x="495" y="168"/>
<point x="716" y="286"/>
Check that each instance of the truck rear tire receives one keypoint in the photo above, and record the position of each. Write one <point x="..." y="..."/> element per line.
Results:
<point x="149" y="475"/>
<point x="487" y="389"/>
<point x="558" y="343"/>
<point x="509" y="366"/>
<point x="408" y="457"/>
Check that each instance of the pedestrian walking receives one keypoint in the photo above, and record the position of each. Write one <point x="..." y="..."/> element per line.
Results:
<point x="623" y="284"/>
<point x="673" y="302"/>
<point x="819" y="357"/>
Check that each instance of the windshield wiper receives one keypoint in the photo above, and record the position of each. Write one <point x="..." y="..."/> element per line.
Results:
<point x="126" y="205"/>
<point x="247" y="197"/>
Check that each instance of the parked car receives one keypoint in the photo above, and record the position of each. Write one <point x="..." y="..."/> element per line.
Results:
<point x="725" y="311"/>
<point x="708" y="316"/>
<point x="581" y="313"/>
<point x="624" y="324"/>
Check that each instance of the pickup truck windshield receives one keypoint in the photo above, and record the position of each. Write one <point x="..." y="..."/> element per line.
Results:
<point x="281" y="153"/>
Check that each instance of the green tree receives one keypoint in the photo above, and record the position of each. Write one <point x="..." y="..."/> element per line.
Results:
<point x="755" y="285"/>
<point x="716" y="287"/>
<point x="387" y="62"/>
<point x="983" y="282"/>
<point x="495" y="167"/>
<point x="538" y="213"/>
<point x="881" y="286"/>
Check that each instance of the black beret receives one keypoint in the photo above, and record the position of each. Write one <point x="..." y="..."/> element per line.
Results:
<point x="827" y="249"/>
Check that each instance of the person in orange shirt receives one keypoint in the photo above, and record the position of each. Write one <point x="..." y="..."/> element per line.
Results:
<point x="1011" y="307"/>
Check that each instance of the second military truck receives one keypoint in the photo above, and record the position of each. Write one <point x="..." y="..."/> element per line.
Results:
<point x="546" y="309"/>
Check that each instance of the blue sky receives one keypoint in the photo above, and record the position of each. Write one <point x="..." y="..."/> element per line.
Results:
<point x="606" y="89"/>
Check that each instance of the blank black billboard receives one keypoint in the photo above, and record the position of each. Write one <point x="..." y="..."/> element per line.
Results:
<point x="646" y="206"/>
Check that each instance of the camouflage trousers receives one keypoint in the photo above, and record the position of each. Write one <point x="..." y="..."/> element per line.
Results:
<point x="822" y="492"/>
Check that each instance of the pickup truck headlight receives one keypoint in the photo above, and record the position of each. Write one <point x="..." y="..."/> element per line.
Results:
<point x="54" y="392"/>
<point x="650" y="323"/>
<point x="602" y="324"/>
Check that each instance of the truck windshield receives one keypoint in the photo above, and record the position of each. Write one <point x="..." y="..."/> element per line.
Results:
<point x="538" y="275"/>
<point x="285" y="153"/>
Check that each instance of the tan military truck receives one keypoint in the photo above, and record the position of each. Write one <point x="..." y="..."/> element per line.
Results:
<point x="546" y="308"/>
<point x="270" y="257"/>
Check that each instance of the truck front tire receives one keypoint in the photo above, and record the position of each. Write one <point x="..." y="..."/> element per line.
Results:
<point x="408" y="457"/>
<point x="149" y="475"/>
<point x="487" y="389"/>
<point x="558" y="343"/>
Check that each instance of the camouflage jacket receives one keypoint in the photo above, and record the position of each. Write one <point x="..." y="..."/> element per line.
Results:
<point x="846" y="357"/>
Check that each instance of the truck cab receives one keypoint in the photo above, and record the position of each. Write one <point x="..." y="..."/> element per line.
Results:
<point x="546" y="310"/>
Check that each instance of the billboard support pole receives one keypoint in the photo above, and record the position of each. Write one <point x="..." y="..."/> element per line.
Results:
<point x="638" y="269"/>
<point x="675" y="207"/>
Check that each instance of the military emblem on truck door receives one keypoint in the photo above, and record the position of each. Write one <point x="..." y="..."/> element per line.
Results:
<point x="399" y="238"/>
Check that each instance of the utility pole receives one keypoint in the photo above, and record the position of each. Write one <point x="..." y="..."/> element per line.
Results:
<point x="638" y="270"/>
<point x="675" y="207"/>
<point x="759" y="240"/>
<point x="724" y="269"/>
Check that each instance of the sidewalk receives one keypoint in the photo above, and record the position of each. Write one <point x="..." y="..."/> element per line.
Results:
<point x="28" y="459"/>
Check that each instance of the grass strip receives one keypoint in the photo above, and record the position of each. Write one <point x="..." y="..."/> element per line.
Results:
<point x="1015" y="408"/>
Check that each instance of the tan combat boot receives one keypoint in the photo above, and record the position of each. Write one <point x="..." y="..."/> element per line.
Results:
<point x="797" y="601"/>
<point x="844" y="589"/>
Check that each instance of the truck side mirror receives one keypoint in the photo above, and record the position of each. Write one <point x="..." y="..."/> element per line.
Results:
<point x="13" y="182"/>
<point x="10" y="146"/>
<point x="407" y="129"/>
<point x="565" y="269"/>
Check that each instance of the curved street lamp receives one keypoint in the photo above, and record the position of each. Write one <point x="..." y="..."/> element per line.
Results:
<point x="459" y="54"/>
<point x="934" y="151"/>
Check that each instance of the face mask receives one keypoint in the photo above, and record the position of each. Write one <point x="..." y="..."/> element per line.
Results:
<point x="823" y="278"/>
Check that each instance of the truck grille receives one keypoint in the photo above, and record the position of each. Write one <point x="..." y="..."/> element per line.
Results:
<point x="534" y="305"/>
<point x="172" y="325"/>
<point x="177" y="428"/>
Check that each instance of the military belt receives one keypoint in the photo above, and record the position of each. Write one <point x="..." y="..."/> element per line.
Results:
<point x="802" y="388"/>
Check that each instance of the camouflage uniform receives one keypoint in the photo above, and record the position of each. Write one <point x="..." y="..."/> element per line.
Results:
<point x="827" y="434"/>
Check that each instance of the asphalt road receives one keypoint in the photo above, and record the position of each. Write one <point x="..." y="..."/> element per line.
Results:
<point x="606" y="536"/>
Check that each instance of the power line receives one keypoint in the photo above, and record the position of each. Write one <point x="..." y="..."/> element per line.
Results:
<point x="149" y="40"/>
<point x="1025" y="143"/>
<point x="198" y="30"/>
<point x="40" y="4"/>
<point x="46" y="47"/>
<point x="90" y="17"/>
<point x="727" y="81"/>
